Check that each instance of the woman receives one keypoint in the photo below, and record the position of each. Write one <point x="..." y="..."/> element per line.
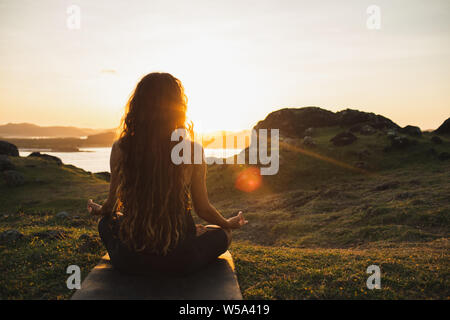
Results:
<point x="146" y="223"/>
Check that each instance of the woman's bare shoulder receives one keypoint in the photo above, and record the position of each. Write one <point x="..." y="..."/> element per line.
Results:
<point x="116" y="150"/>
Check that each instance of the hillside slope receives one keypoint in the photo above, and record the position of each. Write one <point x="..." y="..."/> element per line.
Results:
<point x="313" y="230"/>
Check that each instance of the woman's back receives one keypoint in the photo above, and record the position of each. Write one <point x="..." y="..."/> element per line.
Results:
<point x="154" y="194"/>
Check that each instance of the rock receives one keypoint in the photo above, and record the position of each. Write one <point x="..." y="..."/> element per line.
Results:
<point x="309" y="132"/>
<point x="351" y="117"/>
<point x="5" y="163"/>
<point x="46" y="157"/>
<point x="444" y="128"/>
<point x="436" y="140"/>
<point x="444" y="156"/>
<point x="13" y="178"/>
<point x="8" y="149"/>
<point x="412" y="131"/>
<point x="343" y="139"/>
<point x="51" y="234"/>
<point x="62" y="215"/>
<point x="105" y="175"/>
<point x="293" y="122"/>
<point x="309" y="142"/>
<point x="10" y="235"/>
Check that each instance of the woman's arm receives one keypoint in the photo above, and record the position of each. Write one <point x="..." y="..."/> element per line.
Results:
<point x="204" y="208"/>
<point x="108" y="206"/>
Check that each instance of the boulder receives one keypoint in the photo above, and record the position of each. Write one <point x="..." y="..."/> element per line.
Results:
<point x="309" y="142"/>
<point x="412" y="131"/>
<point x="5" y="163"/>
<point x="62" y="215"/>
<point x="46" y="157"/>
<point x="8" y="149"/>
<point x="10" y="235"/>
<point x="343" y="139"/>
<point x="309" y="132"/>
<point x="444" y="128"/>
<point x="13" y="178"/>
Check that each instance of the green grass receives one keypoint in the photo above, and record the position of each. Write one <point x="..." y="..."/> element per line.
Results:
<point x="413" y="271"/>
<point x="313" y="229"/>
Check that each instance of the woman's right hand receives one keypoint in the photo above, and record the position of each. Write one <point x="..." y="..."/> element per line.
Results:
<point x="237" y="221"/>
<point x="93" y="208"/>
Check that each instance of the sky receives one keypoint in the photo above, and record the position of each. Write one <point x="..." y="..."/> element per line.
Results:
<point x="238" y="60"/>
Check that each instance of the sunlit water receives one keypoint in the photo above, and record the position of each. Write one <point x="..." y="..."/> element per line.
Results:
<point x="97" y="159"/>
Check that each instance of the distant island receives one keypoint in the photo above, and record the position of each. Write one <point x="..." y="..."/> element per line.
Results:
<point x="72" y="139"/>
<point x="55" y="138"/>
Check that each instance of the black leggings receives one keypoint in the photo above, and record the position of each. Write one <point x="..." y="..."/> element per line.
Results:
<point x="190" y="255"/>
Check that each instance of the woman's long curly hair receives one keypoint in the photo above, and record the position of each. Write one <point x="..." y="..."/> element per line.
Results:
<point x="152" y="192"/>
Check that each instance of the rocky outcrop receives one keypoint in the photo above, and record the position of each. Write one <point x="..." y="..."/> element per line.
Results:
<point x="8" y="149"/>
<point x="412" y="131"/>
<point x="297" y="122"/>
<point x="46" y="157"/>
<point x="309" y="141"/>
<point x="444" y="128"/>
<point x="350" y="117"/>
<point x="293" y="122"/>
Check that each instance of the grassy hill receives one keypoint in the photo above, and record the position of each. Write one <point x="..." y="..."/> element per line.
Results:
<point x="313" y="229"/>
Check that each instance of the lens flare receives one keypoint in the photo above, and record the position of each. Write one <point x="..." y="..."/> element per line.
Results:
<point x="249" y="180"/>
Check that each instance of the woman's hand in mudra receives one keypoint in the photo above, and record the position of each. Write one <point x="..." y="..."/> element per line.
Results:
<point x="93" y="208"/>
<point x="237" y="221"/>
